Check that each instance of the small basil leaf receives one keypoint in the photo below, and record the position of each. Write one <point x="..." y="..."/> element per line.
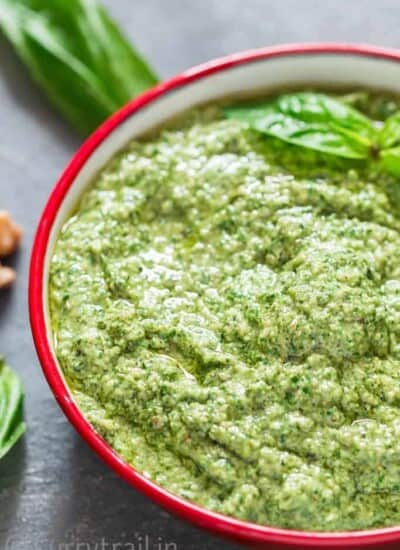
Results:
<point x="12" y="425"/>
<point x="389" y="136"/>
<point x="390" y="160"/>
<point x="311" y="120"/>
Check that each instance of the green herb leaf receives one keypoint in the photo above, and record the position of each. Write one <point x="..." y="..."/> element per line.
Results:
<point x="390" y="160"/>
<point x="389" y="136"/>
<point x="311" y="120"/>
<point x="77" y="53"/>
<point x="12" y="426"/>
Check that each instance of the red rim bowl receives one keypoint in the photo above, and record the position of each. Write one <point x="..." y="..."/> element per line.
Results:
<point x="251" y="534"/>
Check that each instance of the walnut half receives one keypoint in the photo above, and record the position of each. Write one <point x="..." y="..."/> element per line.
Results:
<point x="10" y="234"/>
<point x="10" y="238"/>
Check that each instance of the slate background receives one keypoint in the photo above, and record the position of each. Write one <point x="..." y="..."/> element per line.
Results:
<point x="53" y="490"/>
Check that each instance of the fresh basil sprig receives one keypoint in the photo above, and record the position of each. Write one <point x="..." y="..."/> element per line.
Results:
<point x="12" y="426"/>
<point x="322" y="123"/>
<point x="78" y="54"/>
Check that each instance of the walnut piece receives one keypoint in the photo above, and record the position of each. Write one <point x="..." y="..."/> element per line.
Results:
<point x="7" y="276"/>
<point x="10" y="237"/>
<point x="10" y="234"/>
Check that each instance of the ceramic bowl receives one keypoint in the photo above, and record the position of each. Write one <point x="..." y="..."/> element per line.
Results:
<point x="339" y="65"/>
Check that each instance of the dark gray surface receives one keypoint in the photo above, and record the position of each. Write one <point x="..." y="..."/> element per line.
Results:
<point x="53" y="490"/>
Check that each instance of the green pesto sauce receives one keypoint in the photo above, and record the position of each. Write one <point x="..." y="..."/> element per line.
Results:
<point x="226" y="311"/>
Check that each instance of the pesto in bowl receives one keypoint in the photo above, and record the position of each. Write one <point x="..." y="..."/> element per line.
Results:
<point x="226" y="311"/>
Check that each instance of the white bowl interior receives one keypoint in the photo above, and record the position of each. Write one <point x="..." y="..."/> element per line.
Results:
<point x="284" y="71"/>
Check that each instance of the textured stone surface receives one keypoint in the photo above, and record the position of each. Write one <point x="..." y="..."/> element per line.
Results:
<point x="53" y="490"/>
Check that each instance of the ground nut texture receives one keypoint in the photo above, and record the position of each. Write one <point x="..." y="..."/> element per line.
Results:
<point x="226" y="310"/>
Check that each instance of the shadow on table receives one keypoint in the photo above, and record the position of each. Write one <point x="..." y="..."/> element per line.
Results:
<point x="12" y="468"/>
<point x="101" y="507"/>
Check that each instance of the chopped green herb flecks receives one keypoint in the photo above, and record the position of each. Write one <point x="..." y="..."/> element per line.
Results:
<point x="226" y="310"/>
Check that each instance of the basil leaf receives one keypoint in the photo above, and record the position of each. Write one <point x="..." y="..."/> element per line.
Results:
<point x="311" y="120"/>
<point x="390" y="160"/>
<point x="12" y="426"/>
<point x="77" y="53"/>
<point x="389" y="136"/>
